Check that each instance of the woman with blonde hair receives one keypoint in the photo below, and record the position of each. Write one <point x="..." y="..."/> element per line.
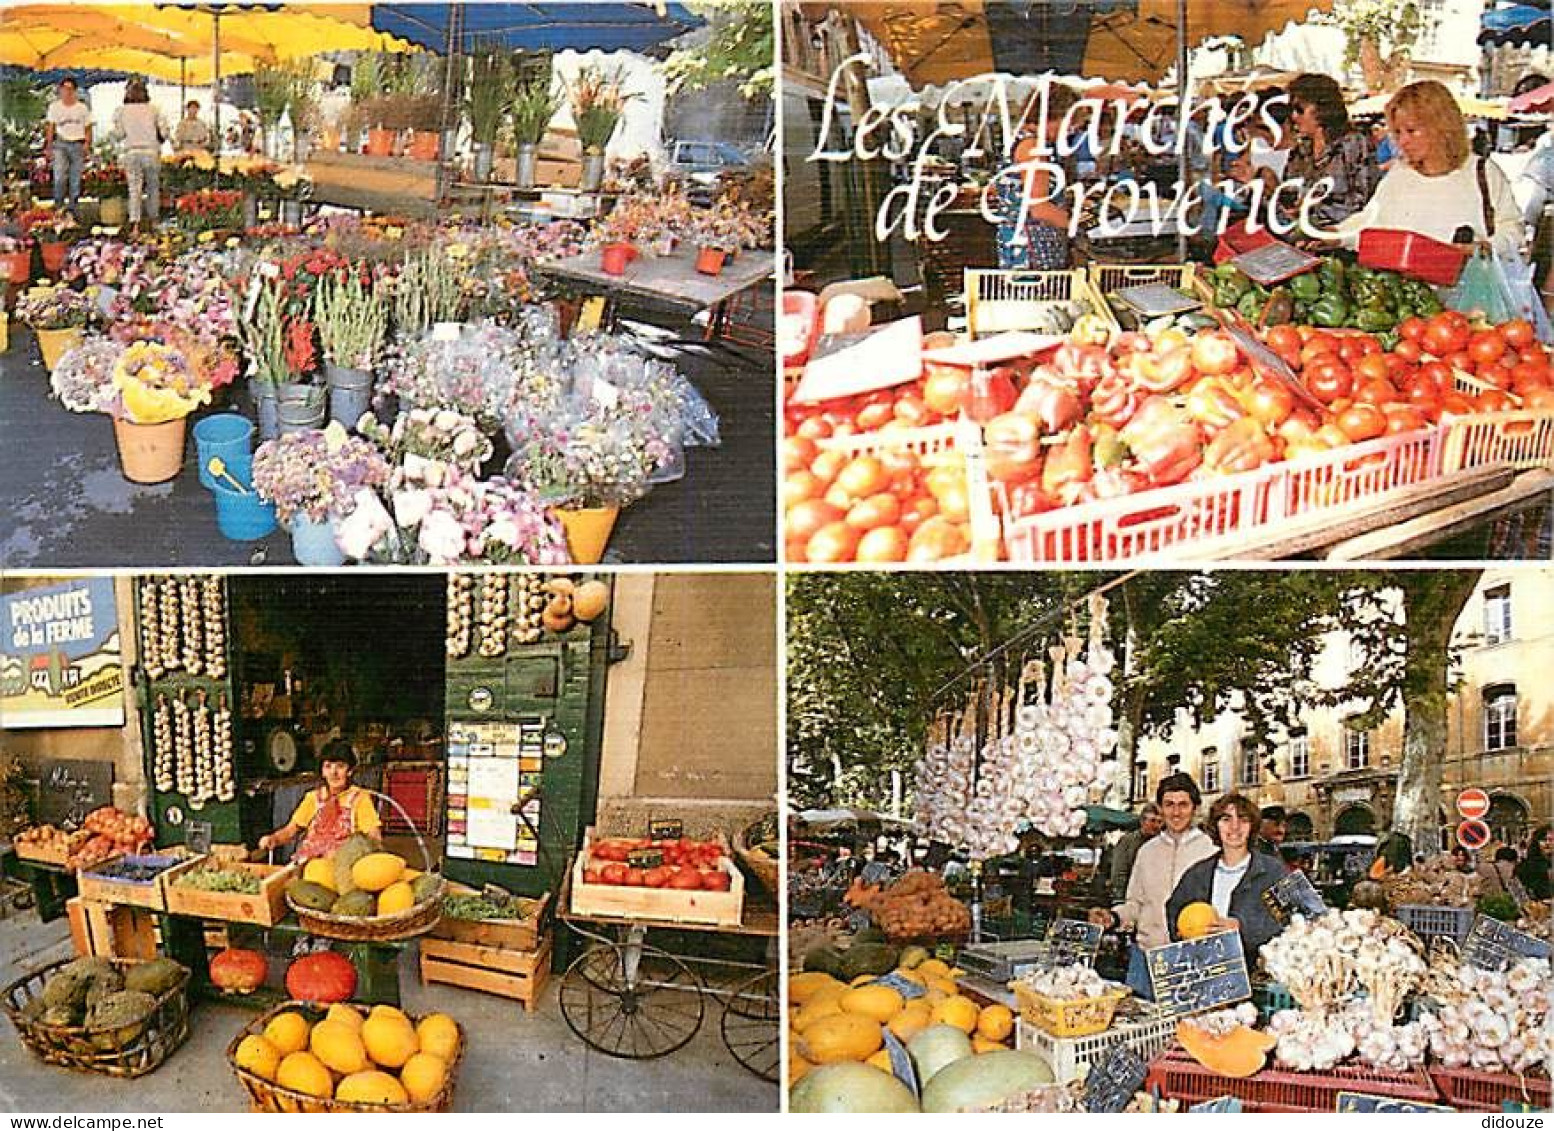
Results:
<point x="1440" y="188"/>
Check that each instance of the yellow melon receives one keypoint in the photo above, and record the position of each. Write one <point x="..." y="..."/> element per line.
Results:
<point x="439" y="1035"/>
<point x="803" y="987"/>
<point x="879" y="1003"/>
<point x="843" y="1036"/>
<point x="288" y="1032"/>
<point x="346" y="1014"/>
<point x="1238" y="1053"/>
<point x="995" y="1022"/>
<point x="395" y="898"/>
<point x="933" y="968"/>
<point x="915" y="1016"/>
<point x="912" y="976"/>
<point x="338" y="1046"/>
<point x="1195" y="920"/>
<point x="257" y="1055"/>
<point x="303" y="1072"/>
<point x="828" y="1006"/>
<point x="979" y="1043"/>
<point x="389" y="1011"/>
<point x="423" y="1076"/>
<point x="945" y="986"/>
<point x="958" y="1011"/>
<point x="390" y="1040"/>
<point x="862" y="980"/>
<point x="377" y="870"/>
<point x="371" y="1087"/>
<point x="320" y="870"/>
<point x="880" y="1060"/>
<point x="798" y="1067"/>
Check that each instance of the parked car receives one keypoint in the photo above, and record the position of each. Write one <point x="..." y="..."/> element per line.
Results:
<point x="701" y="167"/>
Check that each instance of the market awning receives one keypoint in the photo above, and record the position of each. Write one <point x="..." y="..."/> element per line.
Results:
<point x="1471" y="107"/>
<point x="1513" y="24"/>
<point x="1099" y="818"/>
<point x="567" y="26"/>
<point x="1534" y="101"/>
<point x="823" y="820"/>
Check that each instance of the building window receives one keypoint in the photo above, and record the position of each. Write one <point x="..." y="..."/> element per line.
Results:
<point x="1251" y="766"/>
<point x="1300" y="756"/>
<point x="1497" y="614"/>
<point x="1500" y="716"/>
<point x="1211" y="770"/>
<point x="1141" y="781"/>
<point x="1357" y="748"/>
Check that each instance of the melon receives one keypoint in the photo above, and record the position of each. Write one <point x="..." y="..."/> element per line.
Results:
<point x="828" y="1006"/>
<point x="377" y="871"/>
<point x="395" y="898"/>
<point x="874" y="1001"/>
<point x="913" y="956"/>
<point x="849" y="1089"/>
<point x="423" y="1076"/>
<point x="976" y="1083"/>
<point x="802" y="988"/>
<point x="844" y="1036"/>
<point x="439" y="1035"/>
<point x="257" y="1055"/>
<point x="346" y="1014"/>
<point x="981" y="1044"/>
<point x="937" y="1047"/>
<point x="288" y="1032"/>
<point x="390" y="1040"/>
<point x="1238" y="1053"/>
<point x="344" y="859"/>
<point x="995" y="1022"/>
<point x="915" y="1016"/>
<point x="371" y="1087"/>
<point x="303" y="1072"/>
<point x="959" y="1011"/>
<point x="319" y="871"/>
<point x="1196" y="920"/>
<point x="338" y="1047"/>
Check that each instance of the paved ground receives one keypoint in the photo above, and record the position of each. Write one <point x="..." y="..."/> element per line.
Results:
<point x="515" y="1061"/>
<point x="66" y="504"/>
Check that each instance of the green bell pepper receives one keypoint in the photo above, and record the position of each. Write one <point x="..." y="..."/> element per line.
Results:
<point x="1330" y="311"/>
<point x="1373" y="321"/>
<point x="1250" y="306"/>
<point x="1306" y="288"/>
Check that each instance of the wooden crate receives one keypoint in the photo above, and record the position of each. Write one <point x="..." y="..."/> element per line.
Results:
<point x="94" y="887"/>
<point x="612" y="901"/>
<point x="508" y="934"/>
<point x="517" y="974"/>
<point x="103" y="930"/>
<point x="265" y="909"/>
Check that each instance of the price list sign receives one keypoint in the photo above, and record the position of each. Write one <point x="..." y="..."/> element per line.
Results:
<point x="1493" y="945"/>
<point x="1113" y="1079"/>
<point x="1074" y="942"/>
<point x="1195" y="975"/>
<point x="1294" y="895"/>
<point x="490" y="766"/>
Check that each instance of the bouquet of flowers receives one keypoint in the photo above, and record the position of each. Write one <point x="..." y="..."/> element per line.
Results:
<point x="730" y="227"/>
<point x="474" y="373"/>
<point x="206" y="210"/>
<point x="55" y="308"/>
<point x="650" y="220"/>
<point x="156" y="383"/>
<point x="100" y="261"/>
<point x="104" y="182"/>
<point x="423" y="436"/>
<point x="212" y="360"/>
<point x="195" y="292"/>
<point x="83" y="379"/>
<point x="47" y="224"/>
<point x="598" y="101"/>
<point x="317" y="474"/>
<point x="14" y="244"/>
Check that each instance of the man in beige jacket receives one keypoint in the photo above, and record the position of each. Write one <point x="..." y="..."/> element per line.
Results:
<point x="1156" y="871"/>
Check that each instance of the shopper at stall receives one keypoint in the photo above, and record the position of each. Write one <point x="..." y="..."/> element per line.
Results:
<point x="1127" y="850"/>
<point x="1234" y="879"/>
<point x="1272" y="824"/>
<point x="1499" y="875"/>
<point x="1440" y="187"/>
<point x="330" y="814"/>
<point x="1034" y="238"/>
<point x="1461" y="860"/>
<point x="192" y="133"/>
<point x="1533" y="871"/>
<point x="1157" y="869"/>
<point x="67" y="137"/>
<point x="1328" y="149"/>
<point x="142" y="131"/>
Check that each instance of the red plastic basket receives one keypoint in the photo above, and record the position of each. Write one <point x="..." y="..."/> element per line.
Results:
<point x="1236" y="240"/>
<point x="804" y="308"/>
<point x="1411" y="254"/>
<point x="1180" y="1077"/>
<point x="1469" y="1090"/>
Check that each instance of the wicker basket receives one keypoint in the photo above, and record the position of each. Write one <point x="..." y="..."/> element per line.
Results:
<point x="267" y="1096"/>
<point x="766" y="869"/>
<point x="406" y="924"/>
<point x="1080" y="1017"/>
<point x="100" y="1050"/>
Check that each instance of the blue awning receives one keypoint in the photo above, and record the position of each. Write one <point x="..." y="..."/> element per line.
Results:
<point x="85" y="77"/>
<point x="558" y="27"/>
<point x="1515" y="24"/>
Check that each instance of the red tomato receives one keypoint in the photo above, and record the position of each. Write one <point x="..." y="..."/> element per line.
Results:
<point x="1350" y="350"/>
<point x="1517" y="333"/>
<point x="1362" y="422"/>
<point x="945" y="389"/>
<point x="863" y="476"/>
<point x="1214" y="353"/>
<point x="685" y="880"/>
<point x="1426" y="397"/>
<point x="1404" y="418"/>
<point x="833" y="542"/>
<point x="1377" y="393"/>
<point x="1462" y="360"/>
<point x="815" y="428"/>
<point x="1408" y="350"/>
<point x="1540" y="399"/>
<point x="801" y="485"/>
<point x="717" y="881"/>
<point x="1454" y="403"/>
<point x="1328" y="379"/>
<point x="797" y="452"/>
<point x="1285" y="341"/>
<point x="1271" y="402"/>
<point x="1438" y="373"/>
<point x="1412" y="329"/>
<point x="882" y="509"/>
<point x="1319" y="343"/>
<point x="591" y="876"/>
<point x="1529" y="374"/>
<point x="872" y="417"/>
<point x="884" y="544"/>
<point x="827" y="464"/>
<point x="1372" y="367"/>
<point x="937" y="539"/>
<point x="614" y="873"/>
<point x="1486" y="346"/>
<point x="1493" y="401"/>
<point x="1494" y="374"/>
<point x="804" y="519"/>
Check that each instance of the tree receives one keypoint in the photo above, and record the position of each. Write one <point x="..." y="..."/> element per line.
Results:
<point x="740" y="46"/>
<point x="1378" y="35"/>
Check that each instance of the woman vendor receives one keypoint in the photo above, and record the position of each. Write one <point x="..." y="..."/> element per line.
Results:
<point x="330" y="814"/>
<point x="1439" y="187"/>
<point x="1233" y="880"/>
<point x="1040" y="243"/>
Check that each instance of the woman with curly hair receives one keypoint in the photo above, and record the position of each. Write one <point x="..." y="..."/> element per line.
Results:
<point x="1329" y="148"/>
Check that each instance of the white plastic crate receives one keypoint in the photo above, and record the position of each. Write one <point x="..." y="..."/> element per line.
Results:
<point x="1523" y="438"/>
<point x="1148" y="1036"/>
<point x="1180" y="521"/>
<point x="1000" y="301"/>
<point x="1434" y="922"/>
<point x="1109" y="278"/>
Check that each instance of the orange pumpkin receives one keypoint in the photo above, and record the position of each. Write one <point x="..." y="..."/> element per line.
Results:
<point x="1240" y="1052"/>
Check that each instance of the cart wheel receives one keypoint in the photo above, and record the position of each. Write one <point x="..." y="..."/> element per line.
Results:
<point x="750" y="1024"/>
<point x="650" y="1015"/>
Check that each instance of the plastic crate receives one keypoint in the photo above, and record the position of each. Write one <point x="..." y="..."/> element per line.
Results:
<point x="1435" y="922"/>
<point x="1109" y="278"/>
<point x="1190" y="519"/>
<point x="1068" y="1056"/>
<point x="1271" y="998"/>
<point x="1467" y="1089"/>
<point x="1080" y="1017"/>
<point x="1180" y="1077"/>
<point x="1411" y="254"/>
<point x="1524" y="439"/>
<point x="1000" y="301"/>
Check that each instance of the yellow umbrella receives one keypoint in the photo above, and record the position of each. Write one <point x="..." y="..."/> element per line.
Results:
<point x="1470" y="106"/>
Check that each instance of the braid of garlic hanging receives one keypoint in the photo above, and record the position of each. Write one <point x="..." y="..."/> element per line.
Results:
<point x="183" y="749"/>
<point x="167" y="602"/>
<point x="528" y="599"/>
<point x="213" y="610"/>
<point x="162" y="752"/>
<point x="204" y="753"/>
<point x="493" y="616"/>
<point x="460" y="614"/>
<point x="150" y="629"/>
<point x="193" y="651"/>
<point x="226" y="762"/>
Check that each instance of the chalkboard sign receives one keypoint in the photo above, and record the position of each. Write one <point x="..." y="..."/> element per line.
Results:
<point x="1113" y="1079"/>
<point x="901" y="1065"/>
<point x="666" y="830"/>
<point x="903" y="986"/>
<point x="1360" y="1102"/>
<point x="1294" y="895"/>
<point x="1074" y="942"/>
<point x="875" y="872"/>
<point x="645" y="858"/>
<point x="1221" y="1104"/>
<point x="1198" y="974"/>
<point x="69" y="790"/>
<point x="1493" y="945"/>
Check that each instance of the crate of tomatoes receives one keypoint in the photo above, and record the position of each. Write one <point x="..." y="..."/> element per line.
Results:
<point x="668" y="879"/>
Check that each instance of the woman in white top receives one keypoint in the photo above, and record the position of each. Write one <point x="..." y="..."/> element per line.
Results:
<point x="140" y="126"/>
<point x="1439" y="187"/>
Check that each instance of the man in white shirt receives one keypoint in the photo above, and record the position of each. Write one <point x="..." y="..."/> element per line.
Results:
<point x="67" y="135"/>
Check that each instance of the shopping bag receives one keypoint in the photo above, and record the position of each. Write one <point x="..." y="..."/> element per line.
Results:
<point x="1499" y="288"/>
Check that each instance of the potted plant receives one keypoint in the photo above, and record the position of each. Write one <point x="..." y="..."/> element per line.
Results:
<point x="490" y="91"/>
<point x="211" y="210"/>
<point x="51" y="228"/>
<point x="534" y="105"/>
<point x="423" y="116"/>
<point x="15" y="259"/>
<point x="58" y="316"/>
<point x="352" y="320"/>
<point x="313" y="478"/>
<point x="158" y="388"/>
<point x="279" y="345"/>
<point x="597" y="105"/>
<point x="366" y="85"/>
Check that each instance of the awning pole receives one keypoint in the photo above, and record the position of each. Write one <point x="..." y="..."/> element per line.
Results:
<point x="215" y="86"/>
<point x="1181" y="127"/>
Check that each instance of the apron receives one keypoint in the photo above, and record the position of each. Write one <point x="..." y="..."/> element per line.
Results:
<point x="1045" y="247"/>
<point x="331" y="826"/>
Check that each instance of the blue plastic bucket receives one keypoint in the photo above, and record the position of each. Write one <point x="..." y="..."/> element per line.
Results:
<point x="313" y="543"/>
<point x="242" y="518"/>
<point x="228" y="437"/>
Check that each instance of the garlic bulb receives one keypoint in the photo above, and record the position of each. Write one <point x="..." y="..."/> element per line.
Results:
<point x="213" y="610"/>
<point x="528" y="607"/>
<point x="1221" y="1021"/>
<point x="1066" y="983"/>
<point x="460" y="614"/>
<point x="1309" y="1042"/>
<point x="192" y="625"/>
<point x="1500" y="1020"/>
<point x="1323" y="961"/>
<point x="491" y="619"/>
<point x="169" y="654"/>
<point x="162" y="752"/>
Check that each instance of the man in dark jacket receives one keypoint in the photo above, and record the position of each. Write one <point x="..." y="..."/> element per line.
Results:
<point x="1233" y="880"/>
<point x="1127" y="850"/>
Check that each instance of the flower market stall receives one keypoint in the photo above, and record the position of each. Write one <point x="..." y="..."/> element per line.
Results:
<point x="450" y="824"/>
